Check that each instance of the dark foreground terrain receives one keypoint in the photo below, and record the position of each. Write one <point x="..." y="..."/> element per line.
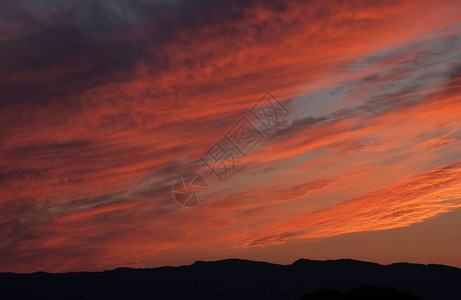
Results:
<point x="241" y="279"/>
<point x="361" y="293"/>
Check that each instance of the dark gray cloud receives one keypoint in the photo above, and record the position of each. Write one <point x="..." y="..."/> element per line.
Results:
<point x="72" y="46"/>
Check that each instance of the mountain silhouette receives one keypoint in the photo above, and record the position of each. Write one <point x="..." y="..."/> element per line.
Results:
<point x="238" y="279"/>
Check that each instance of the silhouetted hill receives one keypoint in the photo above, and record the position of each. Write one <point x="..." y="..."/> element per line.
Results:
<point x="235" y="279"/>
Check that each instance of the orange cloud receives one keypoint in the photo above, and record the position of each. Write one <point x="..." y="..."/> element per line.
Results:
<point x="100" y="112"/>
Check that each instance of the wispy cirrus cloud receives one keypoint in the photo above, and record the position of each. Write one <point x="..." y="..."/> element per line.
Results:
<point x="401" y="204"/>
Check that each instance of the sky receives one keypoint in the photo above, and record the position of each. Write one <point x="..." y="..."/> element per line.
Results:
<point x="348" y="112"/>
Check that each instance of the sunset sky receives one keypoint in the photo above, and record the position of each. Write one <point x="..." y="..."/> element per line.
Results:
<point x="103" y="104"/>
